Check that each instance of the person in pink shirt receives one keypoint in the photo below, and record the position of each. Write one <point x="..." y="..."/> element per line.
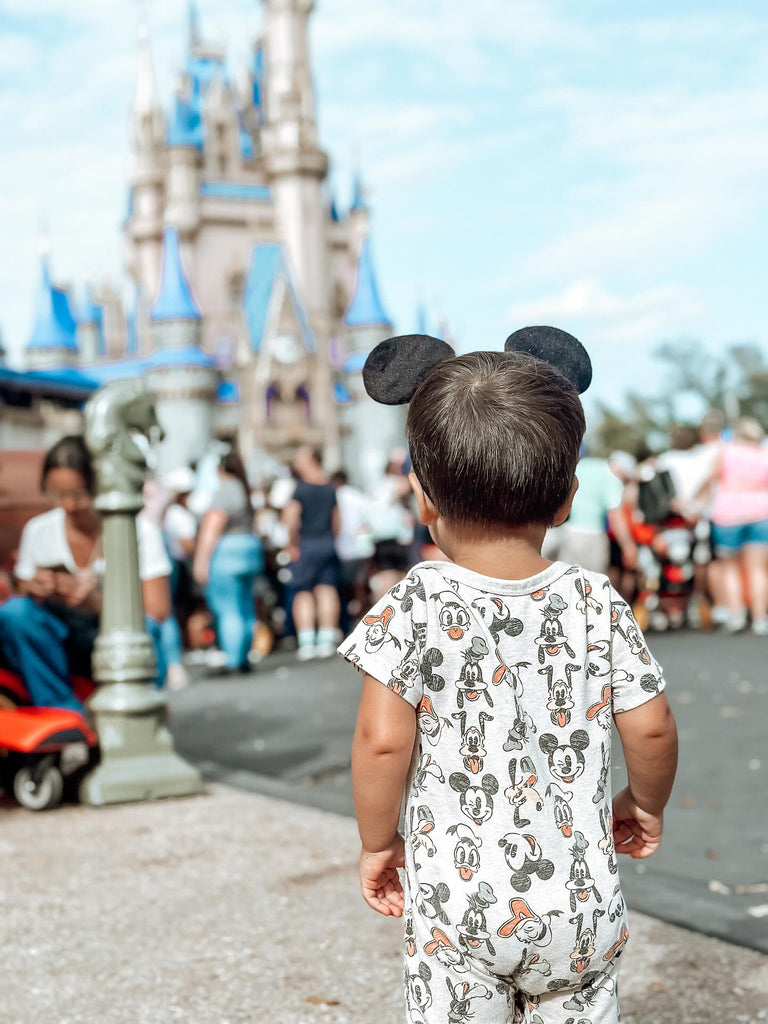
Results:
<point x="740" y="525"/>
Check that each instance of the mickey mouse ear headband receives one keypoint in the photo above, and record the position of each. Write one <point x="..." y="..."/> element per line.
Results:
<point x="556" y="347"/>
<point x="396" y="367"/>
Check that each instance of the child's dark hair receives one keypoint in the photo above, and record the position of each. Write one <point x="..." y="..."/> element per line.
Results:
<point x="494" y="439"/>
<point x="70" y="453"/>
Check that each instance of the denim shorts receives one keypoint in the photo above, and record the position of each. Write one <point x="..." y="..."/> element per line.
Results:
<point x="317" y="564"/>
<point x="727" y="540"/>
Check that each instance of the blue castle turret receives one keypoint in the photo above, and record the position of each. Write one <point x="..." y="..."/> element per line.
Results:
<point x="182" y="378"/>
<point x="185" y="127"/>
<point x="370" y="430"/>
<point x="53" y="341"/>
<point x="175" y="300"/>
<point x="366" y="309"/>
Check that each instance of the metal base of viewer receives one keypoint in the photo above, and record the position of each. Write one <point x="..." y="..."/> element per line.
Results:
<point x="138" y="761"/>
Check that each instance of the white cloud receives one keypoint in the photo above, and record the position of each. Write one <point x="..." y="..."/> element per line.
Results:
<point x="610" y="317"/>
<point x="677" y="171"/>
<point x="456" y="34"/>
<point x="621" y="330"/>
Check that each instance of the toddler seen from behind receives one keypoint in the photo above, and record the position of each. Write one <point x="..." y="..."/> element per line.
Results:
<point x="491" y="683"/>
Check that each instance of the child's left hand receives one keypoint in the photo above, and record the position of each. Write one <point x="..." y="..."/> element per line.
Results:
<point x="379" y="881"/>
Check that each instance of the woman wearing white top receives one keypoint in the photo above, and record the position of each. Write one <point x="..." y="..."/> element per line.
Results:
<point x="49" y="632"/>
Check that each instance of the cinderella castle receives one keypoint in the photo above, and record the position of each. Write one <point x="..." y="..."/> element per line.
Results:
<point x="254" y="301"/>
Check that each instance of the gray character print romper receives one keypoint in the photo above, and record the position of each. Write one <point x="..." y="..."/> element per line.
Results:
<point x="514" y="911"/>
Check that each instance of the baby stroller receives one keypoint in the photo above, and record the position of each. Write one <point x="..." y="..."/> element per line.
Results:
<point x="41" y="749"/>
<point x="666" y="559"/>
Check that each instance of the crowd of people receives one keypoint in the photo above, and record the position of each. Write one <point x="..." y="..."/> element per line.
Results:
<point x="683" y="533"/>
<point x="231" y="565"/>
<point x="297" y="554"/>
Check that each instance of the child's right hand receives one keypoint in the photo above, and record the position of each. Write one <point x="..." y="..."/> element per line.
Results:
<point x="635" y="831"/>
<point x="379" y="881"/>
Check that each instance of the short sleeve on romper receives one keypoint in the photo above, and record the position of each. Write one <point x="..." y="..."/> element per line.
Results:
<point x="384" y="645"/>
<point x="636" y="676"/>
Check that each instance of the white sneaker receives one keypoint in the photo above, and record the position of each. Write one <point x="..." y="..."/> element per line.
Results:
<point x="306" y="652"/>
<point x="325" y="650"/>
<point x="736" y="623"/>
<point x="176" y="677"/>
<point x="720" y="615"/>
<point x="760" y="627"/>
<point x="215" y="658"/>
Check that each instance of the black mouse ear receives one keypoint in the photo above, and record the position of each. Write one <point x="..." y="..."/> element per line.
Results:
<point x="556" y="347"/>
<point x="396" y="367"/>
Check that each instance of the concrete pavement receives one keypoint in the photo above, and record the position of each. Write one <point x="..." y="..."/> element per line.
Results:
<point x="286" y="731"/>
<point x="235" y="907"/>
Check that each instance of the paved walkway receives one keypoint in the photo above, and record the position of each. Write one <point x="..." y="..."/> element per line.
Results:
<point x="286" y="731"/>
<point x="236" y="907"/>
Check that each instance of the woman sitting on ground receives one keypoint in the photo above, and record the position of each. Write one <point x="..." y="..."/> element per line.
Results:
<point x="48" y="633"/>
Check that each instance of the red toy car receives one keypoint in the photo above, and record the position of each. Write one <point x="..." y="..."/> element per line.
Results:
<point x="41" y="747"/>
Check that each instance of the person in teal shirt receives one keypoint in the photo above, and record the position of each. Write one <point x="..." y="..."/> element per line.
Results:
<point x="583" y="539"/>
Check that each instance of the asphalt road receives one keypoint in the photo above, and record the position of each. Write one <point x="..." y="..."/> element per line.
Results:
<point x="286" y="731"/>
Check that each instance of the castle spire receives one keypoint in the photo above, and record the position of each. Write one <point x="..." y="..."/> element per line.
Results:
<point x="290" y="93"/>
<point x="144" y="224"/>
<point x="366" y="309"/>
<point x="175" y="300"/>
<point x="147" y="110"/>
<point x="296" y="165"/>
<point x="90" y="329"/>
<point x="421" y="319"/>
<point x="193" y="26"/>
<point x="146" y="98"/>
<point x="358" y="193"/>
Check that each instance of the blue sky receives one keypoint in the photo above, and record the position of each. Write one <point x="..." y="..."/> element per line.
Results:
<point x="597" y="166"/>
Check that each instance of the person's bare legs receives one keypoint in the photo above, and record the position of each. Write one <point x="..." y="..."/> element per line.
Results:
<point x="715" y="582"/>
<point x="304" y="618"/>
<point x="328" y="606"/>
<point x="304" y="611"/>
<point x="718" y="591"/>
<point x="756" y="564"/>
<point x="733" y="591"/>
<point x="328" y="612"/>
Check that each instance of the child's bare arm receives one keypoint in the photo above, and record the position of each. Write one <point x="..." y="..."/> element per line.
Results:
<point x="649" y="740"/>
<point x="381" y="756"/>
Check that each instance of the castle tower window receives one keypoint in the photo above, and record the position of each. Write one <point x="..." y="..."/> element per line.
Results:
<point x="221" y="147"/>
<point x="272" y="396"/>
<point x="302" y="395"/>
<point x="235" y="286"/>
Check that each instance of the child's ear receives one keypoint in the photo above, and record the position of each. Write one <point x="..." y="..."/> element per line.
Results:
<point x="565" y="509"/>
<point x="427" y="511"/>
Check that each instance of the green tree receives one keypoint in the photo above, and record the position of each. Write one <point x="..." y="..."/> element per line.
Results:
<point x="734" y="383"/>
